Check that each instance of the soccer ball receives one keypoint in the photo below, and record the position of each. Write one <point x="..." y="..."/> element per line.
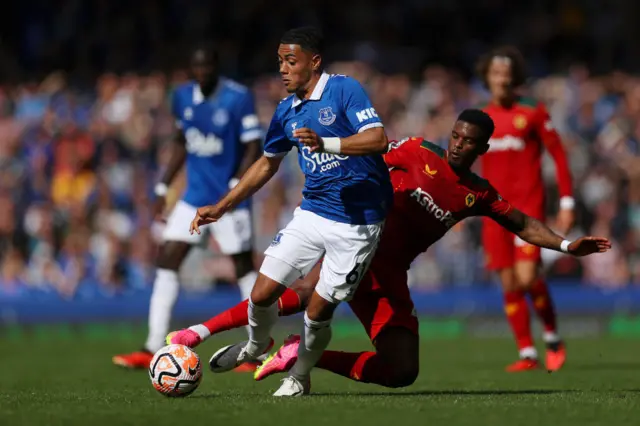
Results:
<point x="175" y="371"/>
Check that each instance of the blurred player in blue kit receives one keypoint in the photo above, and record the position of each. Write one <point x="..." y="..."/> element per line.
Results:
<point x="218" y="137"/>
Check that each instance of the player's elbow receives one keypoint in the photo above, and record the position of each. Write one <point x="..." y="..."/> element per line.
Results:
<point x="379" y="143"/>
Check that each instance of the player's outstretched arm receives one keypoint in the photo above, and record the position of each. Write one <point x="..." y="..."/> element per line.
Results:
<point x="537" y="233"/>
<point x="255" y="178"/>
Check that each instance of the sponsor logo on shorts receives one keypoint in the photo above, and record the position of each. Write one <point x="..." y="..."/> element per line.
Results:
<point x="426" y="200"/>
<point x="276" y="239"/>
<point x="321" y="161"/>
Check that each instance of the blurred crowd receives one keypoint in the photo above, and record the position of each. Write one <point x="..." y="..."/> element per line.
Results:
<point x="81" y="148"/>
<point x="77" y="170"/>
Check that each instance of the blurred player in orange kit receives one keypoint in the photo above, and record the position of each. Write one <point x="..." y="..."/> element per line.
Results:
<point x="523" y="129"/>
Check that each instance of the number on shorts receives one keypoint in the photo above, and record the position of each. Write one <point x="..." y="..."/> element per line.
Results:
<point x="356" y="273"/>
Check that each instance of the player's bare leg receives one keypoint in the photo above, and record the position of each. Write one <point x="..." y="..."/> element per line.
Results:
<point x="163" y="298"/>
<point x="528" y="278"/>
<point x="517" y="312"/>
<point x="394" y="364"/>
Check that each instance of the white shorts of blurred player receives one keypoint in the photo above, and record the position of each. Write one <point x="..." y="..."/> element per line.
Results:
<point x="233" y="232"/>
<point x="347" y="251"/>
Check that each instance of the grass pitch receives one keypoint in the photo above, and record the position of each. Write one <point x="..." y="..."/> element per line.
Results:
<point x="62" y="381"/>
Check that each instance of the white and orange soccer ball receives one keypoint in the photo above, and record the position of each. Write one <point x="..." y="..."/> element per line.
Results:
<point x="175" y="371"/>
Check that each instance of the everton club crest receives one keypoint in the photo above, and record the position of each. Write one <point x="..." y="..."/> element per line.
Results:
<point x="327" y="117"/>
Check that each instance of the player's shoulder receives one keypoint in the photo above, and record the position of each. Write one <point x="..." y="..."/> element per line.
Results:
<point x="341" y="81"/>
<point x="478" y="183"/>
<point x="433" y="148"/>
<point x="184" y="90"/>
<point x="234" y="87"/>
<point x="283" y="106"/>
<point x="529" y="102"/>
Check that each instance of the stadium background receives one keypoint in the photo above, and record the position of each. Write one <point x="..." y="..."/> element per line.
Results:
<point x="85" y="130"/>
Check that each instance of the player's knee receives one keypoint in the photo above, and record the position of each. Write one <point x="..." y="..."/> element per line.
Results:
<point x="508" y="280"/>
<point x="266" y="291"/>
<point x="171" y="255"/>
<point x="403" y="375"/>
<point x="243" y="263"/>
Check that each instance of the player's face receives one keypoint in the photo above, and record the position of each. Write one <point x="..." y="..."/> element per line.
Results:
<point x="465" y="145"/>
<point x="296" y="66"/>
<point x="203" y="69"/>
<point x="499" y="78"/>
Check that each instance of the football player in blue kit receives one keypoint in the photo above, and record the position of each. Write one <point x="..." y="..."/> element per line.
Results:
<point x="329" y="119"/>
<point x="218" y="137"/>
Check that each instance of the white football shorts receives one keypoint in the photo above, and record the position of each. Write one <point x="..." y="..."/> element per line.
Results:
<point x="347" y="251"/>
<point x="233" y="232"/>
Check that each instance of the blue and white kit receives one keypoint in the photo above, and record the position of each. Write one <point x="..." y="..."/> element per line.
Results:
<point x="216" y="130"/>
<point x="345" y="198"/>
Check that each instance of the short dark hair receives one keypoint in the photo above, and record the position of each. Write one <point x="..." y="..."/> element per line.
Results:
<point x="478" y="118"/>
<point x="209" y="48"/>
<point x="308" y="38"/>
<point x="518" y="64"/>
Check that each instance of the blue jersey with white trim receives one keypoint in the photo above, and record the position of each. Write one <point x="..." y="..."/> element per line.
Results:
<point x="216" y="130"/>
<point x="347" y="189"/>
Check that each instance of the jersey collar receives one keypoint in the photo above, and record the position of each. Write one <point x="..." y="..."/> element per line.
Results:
<point x="198" y="97"/>
<point x="317" y="91"/>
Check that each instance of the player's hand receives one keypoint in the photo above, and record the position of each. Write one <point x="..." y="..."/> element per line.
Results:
<point x="205" y="215"/>
<point x="158" y="208"/>
<point x="565" y="220"/>
<point x="308" y="137"/>
<point x="588" y="245"/>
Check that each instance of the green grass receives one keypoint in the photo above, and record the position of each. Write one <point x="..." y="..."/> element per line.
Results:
<point x="62" y="382"/>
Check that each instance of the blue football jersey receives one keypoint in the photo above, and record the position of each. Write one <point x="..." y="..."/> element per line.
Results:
<point x="347" y="189"/>
<point x="215" y="130"/>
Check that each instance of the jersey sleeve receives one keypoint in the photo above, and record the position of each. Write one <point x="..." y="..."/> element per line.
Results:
<point x="276" y="143"/>
<point x="249" y="123"/>
<point x="360" y="112"/>
<point x="402" y="153"/>
<point x="176" y="109"/>
<point x="493" y="205"/>
<point x="552" y="142"/>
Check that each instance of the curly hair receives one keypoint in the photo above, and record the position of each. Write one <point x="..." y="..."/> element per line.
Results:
<point x="518" y="65"/>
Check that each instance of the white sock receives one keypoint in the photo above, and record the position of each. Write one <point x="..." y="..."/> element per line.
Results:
<point x="315" y="339"/>
<point x="261" y="321"/>
<point x="164" y="296"/>
<point x="245" y="283"/>
<point x="550" y="337"/>
<point x="202" y="331"/>
<point x="529" y="352"/>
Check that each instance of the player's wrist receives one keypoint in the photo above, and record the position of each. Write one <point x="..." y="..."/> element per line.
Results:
<point x="332" y="145"/>
<point x="161" y="189"/>
<point x="233" y="182"/>
<point x="567" y="203"/>
<point x="564" y="246"/>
